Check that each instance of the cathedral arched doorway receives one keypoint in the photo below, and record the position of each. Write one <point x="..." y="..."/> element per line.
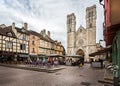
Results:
<point x="81" y="58"/>
<point x="80" y="52"/>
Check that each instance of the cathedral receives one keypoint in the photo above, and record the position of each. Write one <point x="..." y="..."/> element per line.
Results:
<point x="83" y="41"/>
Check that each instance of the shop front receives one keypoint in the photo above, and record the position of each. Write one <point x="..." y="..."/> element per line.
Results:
<point x="56" y="59"/>
<point x="22" y="57"/>
<point x="42" y="57"/>
<point x="7" y="57"/>
<point x="33" y="58"/>
<point x="103" y="57"/>
<point x="74" y="60"/>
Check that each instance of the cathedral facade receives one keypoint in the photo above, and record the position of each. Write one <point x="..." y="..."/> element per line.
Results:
<point x="83" y="41"/>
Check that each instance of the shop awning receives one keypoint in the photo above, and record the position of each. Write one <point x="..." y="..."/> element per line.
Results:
<point x="23" y="55"/>
<point x="54" y="55"/>
<point x="41" y="55"/>
<point x="103" y="51"/>
<point x="75" y="56"/>
<point x="33" y="56"/>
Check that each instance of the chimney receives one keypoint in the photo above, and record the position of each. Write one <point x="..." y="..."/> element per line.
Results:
<point x="55" y="41"/>
<point x="25" y="26"/>
<point x="13" y="26"/>
<point x="44" y="31"/>
<point x="48" y="33"/>
<point x="3" y="26"/>
<point x="60" y="43"/>
<point x="41" y="32"/>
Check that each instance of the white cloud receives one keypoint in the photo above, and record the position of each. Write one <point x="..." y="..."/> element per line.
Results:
<point x="47" y="14"/>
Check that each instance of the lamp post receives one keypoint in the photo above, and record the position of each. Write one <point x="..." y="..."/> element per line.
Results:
<point x="101" y="2"/>
<point x="100" y="42"/>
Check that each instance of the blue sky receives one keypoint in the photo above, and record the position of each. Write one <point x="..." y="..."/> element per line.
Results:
<point x="49" y="15"/>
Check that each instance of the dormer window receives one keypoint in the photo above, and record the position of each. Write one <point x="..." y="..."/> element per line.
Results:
<point x="9" y="34"/>
<point x="23" y="37"/>
<point x="23" y="30"/>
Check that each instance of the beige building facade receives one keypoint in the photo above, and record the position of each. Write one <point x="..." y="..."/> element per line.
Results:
<point x="49" y="46"/>
<point x="82" y="41"/>
<point x="22" y="45"/>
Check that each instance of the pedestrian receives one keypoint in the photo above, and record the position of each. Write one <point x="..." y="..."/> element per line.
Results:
<point x="80" y="65"/>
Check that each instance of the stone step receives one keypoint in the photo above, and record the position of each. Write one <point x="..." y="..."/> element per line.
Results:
<point x="109" y="79"/>
<point x="106" y="82"/>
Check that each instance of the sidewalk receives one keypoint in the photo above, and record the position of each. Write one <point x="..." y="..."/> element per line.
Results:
<point x="34" y="68"/>
<point x="108" y="74"/>
<point x="107" y="79"/>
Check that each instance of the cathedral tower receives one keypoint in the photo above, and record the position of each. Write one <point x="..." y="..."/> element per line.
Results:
<point x="91" y="30"/>
<point x="71" y="30"/>
<point x="91" y="24"/>
<point x="82" y="41"/>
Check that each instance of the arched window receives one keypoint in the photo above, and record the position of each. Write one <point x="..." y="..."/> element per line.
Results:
<point x="9" y="34"/>
<point x="90" y="14"/>
<point x="70" y="29"/>
<point x="90" y="25"/>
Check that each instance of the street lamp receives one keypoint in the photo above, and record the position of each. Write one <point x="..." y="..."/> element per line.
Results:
<point x="100" y="40"/>
<point x="102" y="44"/>
<point x="100" y="1"/>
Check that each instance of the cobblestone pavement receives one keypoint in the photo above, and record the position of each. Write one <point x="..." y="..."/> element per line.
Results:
<point x="70" y="76"/>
